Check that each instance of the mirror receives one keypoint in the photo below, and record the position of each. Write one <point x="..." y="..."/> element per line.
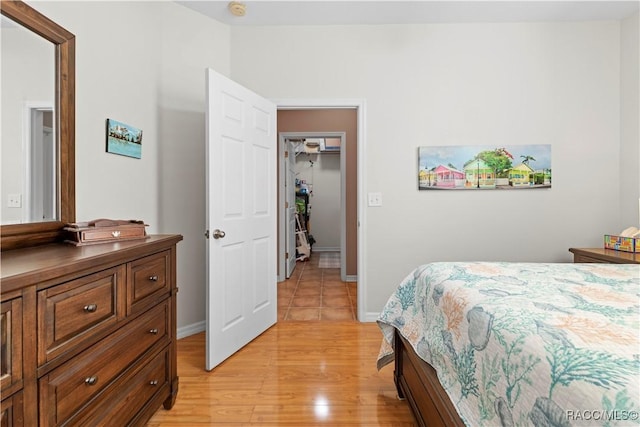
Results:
<point x="46" y="132"/>
<point x="28" y="156"/>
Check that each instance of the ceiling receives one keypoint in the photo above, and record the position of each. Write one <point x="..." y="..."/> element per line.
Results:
<point x="266" y="12"/>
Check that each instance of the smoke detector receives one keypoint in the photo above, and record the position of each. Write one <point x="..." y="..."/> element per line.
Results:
<point x="237" y="8"/>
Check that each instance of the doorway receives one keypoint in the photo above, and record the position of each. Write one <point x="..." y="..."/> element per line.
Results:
<point x="313" y="180"/>
<point x="314" y="224"/>
<point x="328" y="116"/>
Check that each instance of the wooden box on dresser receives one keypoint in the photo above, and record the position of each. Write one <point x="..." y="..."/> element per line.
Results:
<point x="89" y="333"/>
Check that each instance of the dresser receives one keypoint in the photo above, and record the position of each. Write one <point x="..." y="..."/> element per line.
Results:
<point x="604" y="256"/>
<point x="88" y="333"/>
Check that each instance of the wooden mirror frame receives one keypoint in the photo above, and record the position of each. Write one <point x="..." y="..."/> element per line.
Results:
<point x="31" y="234"/>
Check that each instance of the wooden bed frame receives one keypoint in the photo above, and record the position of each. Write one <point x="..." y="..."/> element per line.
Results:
<point x="417" y="381"/>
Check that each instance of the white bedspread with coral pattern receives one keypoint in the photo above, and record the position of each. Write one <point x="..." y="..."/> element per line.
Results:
<point x="518" y="344"/>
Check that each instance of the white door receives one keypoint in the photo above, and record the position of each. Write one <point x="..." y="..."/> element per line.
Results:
<point x="241" y="217"/>
<point x="290" y="191"/>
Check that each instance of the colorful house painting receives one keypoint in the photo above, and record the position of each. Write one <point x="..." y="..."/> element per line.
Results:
<point x="427" y="178"/>
<point x="479" y="175"/>
<point x="521" y="175"/>
<point x="478" y="167"/>
<point x="448" y="177"/>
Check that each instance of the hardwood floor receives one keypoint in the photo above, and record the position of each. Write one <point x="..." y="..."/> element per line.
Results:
<point x="319" y="372"/>
<point x="294" y="374"/>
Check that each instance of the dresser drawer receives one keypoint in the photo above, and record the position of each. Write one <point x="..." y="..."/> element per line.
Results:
<point x="72" y="313"/>
<point x="66" y="389"/>
<point x="148" y="278"/>
<point x="132" y="391"/>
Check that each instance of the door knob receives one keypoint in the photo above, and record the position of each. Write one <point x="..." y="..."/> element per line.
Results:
<point x="218" y="234"/>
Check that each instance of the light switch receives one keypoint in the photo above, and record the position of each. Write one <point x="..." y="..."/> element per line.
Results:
<point x="375" y="199"/>
<point x="14" y="200"/>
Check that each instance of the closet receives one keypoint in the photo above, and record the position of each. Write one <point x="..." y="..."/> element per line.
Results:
<point x="296" y="122"/>
<point x="318" y="191"/>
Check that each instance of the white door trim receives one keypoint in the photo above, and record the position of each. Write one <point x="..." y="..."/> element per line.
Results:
<point x="360" y="106"/>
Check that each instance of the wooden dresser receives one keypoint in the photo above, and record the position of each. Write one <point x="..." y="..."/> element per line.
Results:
<point x="89" y="333"/>
<point x="603" y="255"/>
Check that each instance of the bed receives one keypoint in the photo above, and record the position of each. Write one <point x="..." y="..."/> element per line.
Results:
<point x="509" y="344"/>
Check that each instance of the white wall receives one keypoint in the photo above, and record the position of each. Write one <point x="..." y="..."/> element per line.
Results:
<point x="188" y="49"/>
<point x="144" y="63"/>
<point x="442" y="84"/>
<point x="324" y="174"/>
<point x="449" y="84"/>
<point x="629" y="123"/>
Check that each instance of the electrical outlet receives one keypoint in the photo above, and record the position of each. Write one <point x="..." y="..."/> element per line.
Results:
<point x="375" y="199"/>
<point x="14" y="201"/>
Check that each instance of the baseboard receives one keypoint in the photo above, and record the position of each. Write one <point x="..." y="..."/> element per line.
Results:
<point x="351" y="278"/>
<point x="371" y="317"/>
<point x="194" y="328"/>
<point x="323" y="249"/>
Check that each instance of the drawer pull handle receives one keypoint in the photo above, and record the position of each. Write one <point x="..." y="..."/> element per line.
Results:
<point x="153" y="278"/>
<point x="91" y="380"/>
<point x="153" y="382"/>
<point x="153" y="331"/>
<point x="91" y="308"/>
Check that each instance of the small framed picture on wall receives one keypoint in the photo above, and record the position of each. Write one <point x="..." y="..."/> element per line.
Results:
<point x="124" y="139"/>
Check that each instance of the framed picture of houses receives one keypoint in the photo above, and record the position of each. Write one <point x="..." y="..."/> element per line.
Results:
<point x="482" y="167"/>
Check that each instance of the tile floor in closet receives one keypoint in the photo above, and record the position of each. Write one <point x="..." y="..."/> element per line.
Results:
<point x="313" y="293"/>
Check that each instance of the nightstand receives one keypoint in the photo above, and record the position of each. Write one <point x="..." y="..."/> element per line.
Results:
<point x="603" y="255"/>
